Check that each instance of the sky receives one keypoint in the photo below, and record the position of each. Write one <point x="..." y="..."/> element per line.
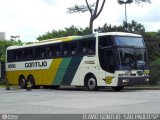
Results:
<point x="31" y="18"/>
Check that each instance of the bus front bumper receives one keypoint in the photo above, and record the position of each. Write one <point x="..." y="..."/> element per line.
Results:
<point x="129" y="81"/>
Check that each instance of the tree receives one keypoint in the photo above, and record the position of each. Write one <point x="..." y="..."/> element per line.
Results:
<point x="63" y="33"/>
<point x="133" y="27"/>
<point x="92" y="8"/>
<point x="158" y="33"/>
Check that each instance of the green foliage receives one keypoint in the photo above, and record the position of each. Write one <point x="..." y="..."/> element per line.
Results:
<point x="158" y="33"/>
<point x="63" y="33"/>
<point x="152" y="35"/>
<point x="155" y="71"/>
<point x="28" y="43"/>
<point x="16" y="42"/>
<point x="133" y="27"/>
<point x="155" y="63"/>
<point x="152" y="40"/>
<point x="3" y="46"/>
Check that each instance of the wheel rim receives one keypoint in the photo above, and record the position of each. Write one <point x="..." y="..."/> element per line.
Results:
<point x="23" y="82"/>
<point x="92" y="83"/>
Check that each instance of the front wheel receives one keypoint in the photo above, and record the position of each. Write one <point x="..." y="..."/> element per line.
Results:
<point x="92" y="83"/>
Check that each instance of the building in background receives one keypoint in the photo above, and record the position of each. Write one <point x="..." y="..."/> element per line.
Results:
<point x="2" y="35"/>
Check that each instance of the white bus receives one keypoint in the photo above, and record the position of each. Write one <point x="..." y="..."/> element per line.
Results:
<point x="112" y="59"/>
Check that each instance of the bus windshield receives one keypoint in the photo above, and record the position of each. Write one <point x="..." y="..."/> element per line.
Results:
<point x="132" y="58"/>
<point x="122" y="53"/>
<point x="129" y="41"/>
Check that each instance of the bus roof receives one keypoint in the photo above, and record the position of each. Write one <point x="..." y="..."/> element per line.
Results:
<point x="119" y="34"/>
<point x="48" y="41"/>
<point x="70" y="38"/>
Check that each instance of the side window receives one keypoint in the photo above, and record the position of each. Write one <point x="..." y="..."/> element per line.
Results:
<point x="51" y="51"/>
<point x="23" y="56"/>
<point x="10" y="55"/>
<point x="20" y="54"/>
<point x="38" y="52"/>
<point x="17" y="55"/>
<point x="58" y="50"/>
<point x="91" y="47"/>
<point x="83" y="47"/>
<point x="105" y="41"/>
<point x="43" y="52"/>
<point x="48" y="52"/>
<point x="28" y="54"/>
<point x="110" y="61"/>
<point x="66" y="49"/>
<point x="74" y="48"/>
<point x="87" y="47"/>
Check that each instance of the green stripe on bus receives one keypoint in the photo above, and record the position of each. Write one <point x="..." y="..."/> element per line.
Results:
<point x="71" y="70"/>
<point x="61" y="71"/>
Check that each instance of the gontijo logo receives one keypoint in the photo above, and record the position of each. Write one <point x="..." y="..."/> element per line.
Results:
<point x="36" y="64"/>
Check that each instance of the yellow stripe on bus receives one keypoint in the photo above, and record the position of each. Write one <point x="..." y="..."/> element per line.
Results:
<point x="51" y="73"/>
<point x="42" y="77"/>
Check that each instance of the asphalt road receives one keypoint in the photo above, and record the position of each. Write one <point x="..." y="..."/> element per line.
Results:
<point x="78" y="101"/>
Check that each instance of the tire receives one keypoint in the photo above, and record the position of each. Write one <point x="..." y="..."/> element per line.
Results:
<point x="22" y="82"/>
<point x="54" y="87"/>
<point x="118" y="88"/>
<point x="37" y="86"/>
<point x="91" y="83"/>
<point x="45" y="87"/>
<point x="32" y="81"/>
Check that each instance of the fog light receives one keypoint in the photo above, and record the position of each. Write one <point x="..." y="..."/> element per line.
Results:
<point x="147" y="80"/>
<point x="125" y="81"/>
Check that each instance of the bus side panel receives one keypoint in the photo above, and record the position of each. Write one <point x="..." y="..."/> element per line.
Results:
<point x="51" y="73"/>
<point x="87" y="65"/>
<point x="71" y="70"/>
<point x="61" y="71"/>
<point x="67" y="70"/>
<point x="41" y="76"/>
<point x="12" y="77"/>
